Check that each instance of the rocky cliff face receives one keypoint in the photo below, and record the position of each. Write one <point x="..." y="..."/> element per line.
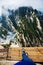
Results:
<point x="9" y="23"/>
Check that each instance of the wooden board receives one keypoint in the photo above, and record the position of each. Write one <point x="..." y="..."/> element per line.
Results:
<point x="35" y="53"/>
<point x="3" y="54"/>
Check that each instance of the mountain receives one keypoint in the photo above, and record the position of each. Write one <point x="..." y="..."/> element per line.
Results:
<point x="30" y="22"/>
<point x="23" y="11"/>
<point x="10" y="22"/>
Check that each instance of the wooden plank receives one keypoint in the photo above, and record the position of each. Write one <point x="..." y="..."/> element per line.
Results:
<point x="3" y="50"/>
<point x="35" y="53"/>
<point x="3" y="54"/>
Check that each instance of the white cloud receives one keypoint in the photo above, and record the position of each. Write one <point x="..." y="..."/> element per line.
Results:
<point x="0" y="12"/>
<point x="13" y="4"/>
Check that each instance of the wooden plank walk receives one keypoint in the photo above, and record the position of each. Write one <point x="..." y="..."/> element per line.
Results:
<point x="35" y="53"/>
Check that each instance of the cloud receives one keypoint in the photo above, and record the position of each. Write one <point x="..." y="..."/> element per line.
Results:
<point x="13" y="4"/>
<point x="17" y="3"/>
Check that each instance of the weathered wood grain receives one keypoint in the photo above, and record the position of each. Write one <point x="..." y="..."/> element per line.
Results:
<point x="35" y="53"/>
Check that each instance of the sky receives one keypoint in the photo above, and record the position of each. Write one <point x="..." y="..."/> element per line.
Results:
<point x="14" y="4"/>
